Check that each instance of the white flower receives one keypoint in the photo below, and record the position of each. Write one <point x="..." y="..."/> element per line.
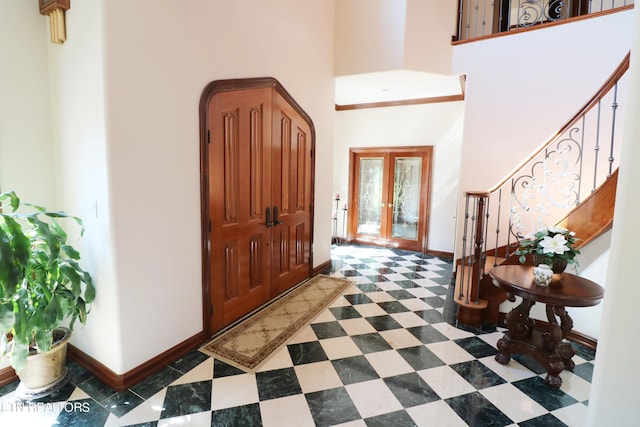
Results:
<point x="554" y="245"/>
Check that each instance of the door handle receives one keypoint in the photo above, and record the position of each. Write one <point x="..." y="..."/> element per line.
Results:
<point x="267" y="216"/>
<point x="275" y="216"/>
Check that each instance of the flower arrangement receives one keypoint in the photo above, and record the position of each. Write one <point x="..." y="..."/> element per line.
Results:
<point x="551" y="246"/>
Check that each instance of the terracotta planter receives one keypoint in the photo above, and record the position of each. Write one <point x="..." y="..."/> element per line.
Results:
<point x="46" y="373"/>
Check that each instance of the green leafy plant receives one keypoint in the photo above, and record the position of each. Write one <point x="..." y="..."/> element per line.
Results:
<point x="42" y="285"/>
<point x="550" y="245"/>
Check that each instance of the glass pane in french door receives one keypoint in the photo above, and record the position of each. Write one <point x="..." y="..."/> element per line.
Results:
<point x="406" y="197"/>
<point x="370" y="195"/>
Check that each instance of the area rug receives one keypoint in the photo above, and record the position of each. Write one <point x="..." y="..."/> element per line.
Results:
<point x="249" y="344"/>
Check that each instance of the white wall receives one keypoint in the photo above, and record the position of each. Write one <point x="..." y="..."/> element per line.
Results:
<point x="429" y="27"/>
<point x="369" y="35"/>
<point x="159" y="56"/>
<point x="614" y="389"/>
<point x="26" y="149"/>
<point x="51" y="113"/>
<point x="515" y="101"/>
<point x="74" y="80"/>
<point x="594" y="262"/>
<point x="384" y="35"/>
<point x="78" y="108"/>
<point x="121" y="129"/>
<point x="438" y="125"/>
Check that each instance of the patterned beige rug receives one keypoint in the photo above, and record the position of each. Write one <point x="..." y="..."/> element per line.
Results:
<point x="249" y="344"/>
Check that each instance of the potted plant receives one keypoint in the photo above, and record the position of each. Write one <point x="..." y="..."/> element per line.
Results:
<point x="43" y="291"/>
<point x="553" y="246"/>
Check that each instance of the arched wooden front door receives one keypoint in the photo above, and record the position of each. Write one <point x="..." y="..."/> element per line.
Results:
<point x="257" y="196"/>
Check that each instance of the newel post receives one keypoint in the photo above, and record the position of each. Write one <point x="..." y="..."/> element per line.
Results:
<point x="472" y="258"/>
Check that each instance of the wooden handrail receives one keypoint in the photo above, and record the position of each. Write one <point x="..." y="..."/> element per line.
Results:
<point x="477" y="193"/>
<point x="611" y="81"/>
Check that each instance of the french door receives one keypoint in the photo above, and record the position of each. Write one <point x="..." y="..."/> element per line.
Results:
<point x="257" y="176"/>
<point x="389" y="191"/>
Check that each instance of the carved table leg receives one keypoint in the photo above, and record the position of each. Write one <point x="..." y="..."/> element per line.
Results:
<point x="520" y="327"/>
<point x="565" y="350"/>
<point x="555" y="365"/>
<point x="547" y="346"/>
<point x="557" y="352"/>
<point x="503" y="356"/>
<point x="552" y="337"/>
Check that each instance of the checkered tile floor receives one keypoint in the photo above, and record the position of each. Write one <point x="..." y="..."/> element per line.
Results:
<point x="381" y="355"/>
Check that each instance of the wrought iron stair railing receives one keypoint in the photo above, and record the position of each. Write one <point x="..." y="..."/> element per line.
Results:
<point x="560" y="175"/>
<point x="481" y="18"/>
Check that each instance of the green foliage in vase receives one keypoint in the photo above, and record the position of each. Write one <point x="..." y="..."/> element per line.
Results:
<point x="550" y="245"/>
<point x="42" y="285"/>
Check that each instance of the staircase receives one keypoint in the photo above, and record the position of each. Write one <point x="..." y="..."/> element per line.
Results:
<point x="569" y="181"/>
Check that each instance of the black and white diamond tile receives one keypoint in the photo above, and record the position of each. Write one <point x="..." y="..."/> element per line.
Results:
<point x="381" y="355"/>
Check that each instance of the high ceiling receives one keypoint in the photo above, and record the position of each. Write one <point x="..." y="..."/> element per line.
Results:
<point x="394" y="86"/>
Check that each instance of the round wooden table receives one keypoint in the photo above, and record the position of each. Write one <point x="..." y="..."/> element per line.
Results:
<point x="544" y="342"/>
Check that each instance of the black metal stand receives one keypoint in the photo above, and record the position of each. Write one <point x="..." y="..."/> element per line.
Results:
<point x="334" y="237"/>
<point x="344" y="223"/>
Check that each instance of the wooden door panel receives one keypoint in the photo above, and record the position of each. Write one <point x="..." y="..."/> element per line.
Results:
<point x="239" y="169"/>
<point x="256" y="146"/>
<point x="373" y="229"/>
<point x="291" y="196"/>
<point x="387" y="197"/>
<point x="394" y="240"/>
<point x="243" y="285"/>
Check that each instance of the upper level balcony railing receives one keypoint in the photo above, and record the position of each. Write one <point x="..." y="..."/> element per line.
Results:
<point x="479" y="18"/>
